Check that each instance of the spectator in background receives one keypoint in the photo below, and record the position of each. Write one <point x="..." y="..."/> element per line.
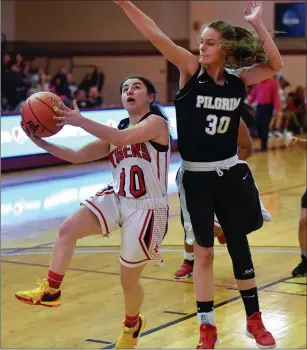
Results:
<point x="94" y="100"/>
<point x="16" y="86"/>
<point x="72" y="86"/>
<point x="19" y="61"/>
<point x="44" y="81"/>
<point x="97" y="78"/>
<point x="6" y="63"/>
<point x="81" y="99"/>
<point x="86" y="83"/>
<point x="266" y="95"/>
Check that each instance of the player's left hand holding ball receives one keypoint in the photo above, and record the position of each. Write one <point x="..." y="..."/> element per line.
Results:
<point x="69" y="116"/>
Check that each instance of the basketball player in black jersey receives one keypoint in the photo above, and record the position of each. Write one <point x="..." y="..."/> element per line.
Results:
<point x="301" y="268"/>
<point x="207" y="111"/>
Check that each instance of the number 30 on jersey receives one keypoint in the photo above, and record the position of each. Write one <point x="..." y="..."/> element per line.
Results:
<point x="217" y="125"/>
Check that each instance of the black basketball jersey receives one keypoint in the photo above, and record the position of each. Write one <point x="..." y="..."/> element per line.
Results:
<point x="208" y="117"/>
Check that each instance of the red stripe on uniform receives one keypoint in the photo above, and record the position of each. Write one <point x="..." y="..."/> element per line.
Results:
<point x="100" y="212"/>
<point x="142" y="233"/>
<point x="158" y="164"/>
<point x="133" y="262"/>
<point x="166" y="169"/>
<point x="151" y="229"/>
<point x="100" y="194"/>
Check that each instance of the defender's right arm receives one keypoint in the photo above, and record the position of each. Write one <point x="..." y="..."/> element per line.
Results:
<point x="184" y="60"/>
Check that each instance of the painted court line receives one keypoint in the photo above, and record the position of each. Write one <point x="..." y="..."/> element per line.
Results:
<point x="175" y="313"/>
<point x="18" y="253"/>
<point x="111" y="273"/>
<point x="293" y="282"/>
<point x="27" y="248"/>
<point x="98" y="341"/>
<point x="184" y="318"/>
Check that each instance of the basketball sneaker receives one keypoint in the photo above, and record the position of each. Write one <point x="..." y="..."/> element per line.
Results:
<point x="42" y="295"/>
<point x="301" y="268"/>
<point x="185" y="270"/>
<point x="130" y="336"/>
<point x="208" y="336"/>
<point x="255" y="330"/>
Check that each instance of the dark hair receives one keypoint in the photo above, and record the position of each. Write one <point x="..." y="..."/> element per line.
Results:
<point x="241" y="46"/>
<point x="151" y="89"/>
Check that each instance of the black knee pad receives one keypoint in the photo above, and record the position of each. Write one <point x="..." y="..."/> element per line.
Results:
<point x="241" y="259"/>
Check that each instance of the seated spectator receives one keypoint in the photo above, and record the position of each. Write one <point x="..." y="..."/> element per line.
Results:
<point x="86" y="83"/>
<point x="44" y="81"/>
<point x="97" y="78"/>
<point x="72" y="86"/>
<point x="81" y="99"/>
<point x="94" y="100"/>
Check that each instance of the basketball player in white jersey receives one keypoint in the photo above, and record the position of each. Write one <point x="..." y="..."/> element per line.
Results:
<point x="136" y="201"/>
<point x="245" y="150"/>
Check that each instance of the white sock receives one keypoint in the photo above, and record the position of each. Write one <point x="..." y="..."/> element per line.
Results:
<point x="304" y="253"/>
<point x="188" y="256"/>
<point x="206" y="317"/>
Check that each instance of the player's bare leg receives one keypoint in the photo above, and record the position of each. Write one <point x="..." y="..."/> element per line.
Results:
<point x="81" y="224"/>
<point x="134" y="323"/>
<point x="186" y="269"/>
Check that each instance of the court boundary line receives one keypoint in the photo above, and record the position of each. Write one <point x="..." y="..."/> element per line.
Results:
<point x="87" y="171"/>
<point x="117" y="274"/>
<point x="173" y="215"/>
<point x="171" y="323"/>
<point x="184" y="318"/>
<point x="111" y="251"/>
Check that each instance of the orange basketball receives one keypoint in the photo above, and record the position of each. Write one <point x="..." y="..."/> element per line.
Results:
<point x="37" y="114"/>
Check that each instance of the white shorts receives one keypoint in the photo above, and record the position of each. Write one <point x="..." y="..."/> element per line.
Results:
<point x="143" y="224"/>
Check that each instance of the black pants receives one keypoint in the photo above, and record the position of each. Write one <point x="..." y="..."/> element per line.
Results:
<point x="304" y="200"/>
<point x="264" y="115"/>
<point x="233" y="197"/>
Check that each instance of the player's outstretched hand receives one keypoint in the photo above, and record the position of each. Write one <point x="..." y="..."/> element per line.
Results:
<point x="68" y="116"/>
<point x="256" y="11"/>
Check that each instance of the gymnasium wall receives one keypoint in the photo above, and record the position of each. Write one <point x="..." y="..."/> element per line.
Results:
<point x="116" y="68"/>
<point x="202" y="12"/>
<point x="87" y="21"/>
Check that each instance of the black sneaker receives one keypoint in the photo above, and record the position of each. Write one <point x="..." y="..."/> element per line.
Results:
<point x="301" y="268"/>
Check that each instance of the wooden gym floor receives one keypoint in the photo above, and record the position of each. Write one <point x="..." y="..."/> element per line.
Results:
<point x="35" y="202"/>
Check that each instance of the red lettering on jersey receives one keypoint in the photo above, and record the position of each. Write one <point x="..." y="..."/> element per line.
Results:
<point x="111" y="159"/>
<point x="126" y="150"/>
<point x="145" y="153"/>
<point x="137" y="151"/>
<point x="119" y="152"/>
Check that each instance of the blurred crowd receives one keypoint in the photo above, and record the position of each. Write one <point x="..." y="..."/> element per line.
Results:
<point x="279" y="109"/>
<point x="21" y="78"/>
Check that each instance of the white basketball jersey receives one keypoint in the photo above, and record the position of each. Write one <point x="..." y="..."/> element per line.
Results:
<point x="140" y="170"/>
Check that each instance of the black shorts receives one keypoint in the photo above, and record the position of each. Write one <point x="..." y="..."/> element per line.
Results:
<point x="233" y="197"/>
<point x="304" y="200"/>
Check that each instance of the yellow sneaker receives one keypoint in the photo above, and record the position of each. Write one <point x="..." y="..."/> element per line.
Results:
<point x="42" y="295"/>
<point x="130" y="336"/>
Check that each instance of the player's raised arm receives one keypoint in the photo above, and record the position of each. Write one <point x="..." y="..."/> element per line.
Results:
<point x="260" y="72"/>
<point x="184" y="60"/>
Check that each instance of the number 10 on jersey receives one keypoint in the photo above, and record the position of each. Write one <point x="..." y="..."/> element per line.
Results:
<point x="137" y="182"/>
<point x="217" y="125"/>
